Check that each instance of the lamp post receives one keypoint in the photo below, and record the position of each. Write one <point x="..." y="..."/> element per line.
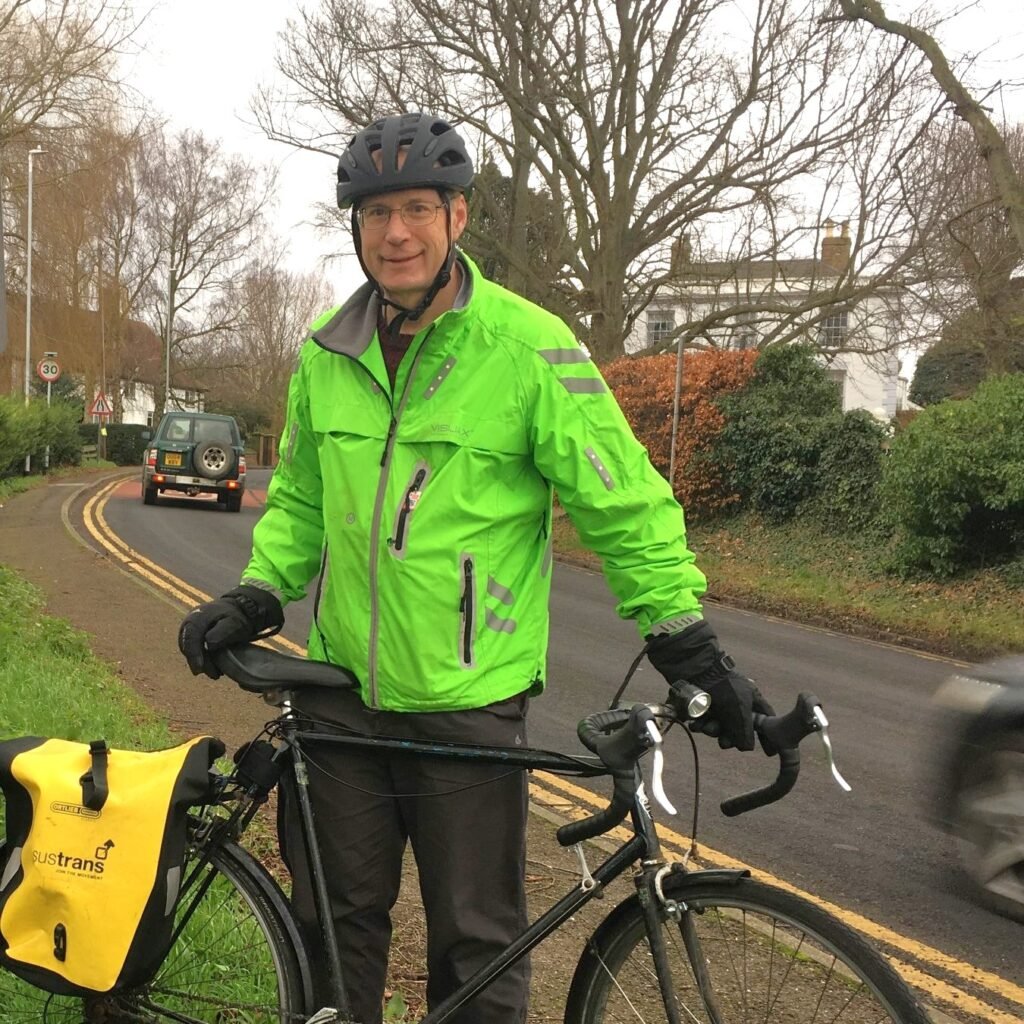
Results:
<point x="32" y="153"/>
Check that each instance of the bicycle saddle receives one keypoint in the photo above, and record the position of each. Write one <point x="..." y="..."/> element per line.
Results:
<point x="259" y="669"/>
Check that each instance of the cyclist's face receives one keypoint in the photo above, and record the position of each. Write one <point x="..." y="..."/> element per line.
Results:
<point x="403" y="258"/>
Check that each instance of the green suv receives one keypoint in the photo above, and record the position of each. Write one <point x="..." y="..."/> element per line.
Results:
<point x="196" y="453"/>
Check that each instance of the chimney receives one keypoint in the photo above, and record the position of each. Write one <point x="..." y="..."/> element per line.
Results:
<point x="835" y="250"/>
<point x="682" y="254"/>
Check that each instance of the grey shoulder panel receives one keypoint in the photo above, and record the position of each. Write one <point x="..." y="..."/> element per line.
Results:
<point x="351" y="329"/>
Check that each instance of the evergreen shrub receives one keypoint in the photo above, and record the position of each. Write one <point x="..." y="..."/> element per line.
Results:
<point x="775" y="431"/>
<point x="850" y="470"/>
<point x="125" y="445"/>
<point x="29" y="429"/>
<point x="953" y="484"/>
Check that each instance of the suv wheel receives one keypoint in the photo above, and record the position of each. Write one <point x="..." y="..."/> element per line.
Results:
<point x="233" y="503"/>
<point x="213" y="460"/>
<point x="148" y="495"/>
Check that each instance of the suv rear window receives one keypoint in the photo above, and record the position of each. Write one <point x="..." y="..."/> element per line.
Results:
<point x="199" y="429"/>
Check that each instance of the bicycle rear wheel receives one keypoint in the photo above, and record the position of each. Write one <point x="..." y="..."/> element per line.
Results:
<point x="238" y="959"/>
<point x="761" y="954"/>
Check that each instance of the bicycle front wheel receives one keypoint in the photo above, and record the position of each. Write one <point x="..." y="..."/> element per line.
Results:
<point x="238" y="958"/>
<point x="741" y="952"/>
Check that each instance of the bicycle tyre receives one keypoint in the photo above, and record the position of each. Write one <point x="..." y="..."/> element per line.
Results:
<point x="239" y="958"/>
<point x="766" y="955"/>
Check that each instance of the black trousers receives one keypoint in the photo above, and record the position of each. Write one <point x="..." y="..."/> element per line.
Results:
<point x="467" y="826"/>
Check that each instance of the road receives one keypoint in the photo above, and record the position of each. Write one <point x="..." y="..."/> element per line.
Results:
<point x="871" y="852"/>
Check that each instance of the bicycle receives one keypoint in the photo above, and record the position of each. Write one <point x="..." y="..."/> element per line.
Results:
<point x="695" y="946"/>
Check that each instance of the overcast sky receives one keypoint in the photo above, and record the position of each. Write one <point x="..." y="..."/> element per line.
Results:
<point x="202" y="60"/>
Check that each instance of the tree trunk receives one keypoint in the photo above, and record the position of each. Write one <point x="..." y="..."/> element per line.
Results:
<point x="991" y="143"/>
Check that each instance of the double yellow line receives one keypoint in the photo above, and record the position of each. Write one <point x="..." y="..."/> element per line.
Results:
<point x="167" y="584"/>
<point x="573" y="802"/>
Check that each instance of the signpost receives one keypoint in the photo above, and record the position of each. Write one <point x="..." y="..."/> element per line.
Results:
<point x="48" y="369"/>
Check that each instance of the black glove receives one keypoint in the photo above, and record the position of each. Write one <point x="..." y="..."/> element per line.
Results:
<point x="693" y="655"/>
<point x="243" y="614"/>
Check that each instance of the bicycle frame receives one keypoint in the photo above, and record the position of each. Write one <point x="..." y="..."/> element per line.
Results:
<point x="643" y="847"/>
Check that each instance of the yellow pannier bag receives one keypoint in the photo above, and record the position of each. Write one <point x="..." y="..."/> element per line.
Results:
<point x="93" y="858"/>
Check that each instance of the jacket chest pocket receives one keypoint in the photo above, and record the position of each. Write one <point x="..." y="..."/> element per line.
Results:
<point x="412" y="492"/>
<point x="354" y="416"/>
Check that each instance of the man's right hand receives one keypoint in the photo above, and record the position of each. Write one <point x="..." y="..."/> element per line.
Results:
<point x="243" y="614"/>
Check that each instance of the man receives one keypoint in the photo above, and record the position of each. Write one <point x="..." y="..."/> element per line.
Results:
<point x="429" y="419"/>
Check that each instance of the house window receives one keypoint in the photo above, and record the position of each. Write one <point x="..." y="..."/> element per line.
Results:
<point x="834" y="329"/>
<point x="838" y="377"/>
<point x="661" y="324"/>
<point x="128" y="390"/>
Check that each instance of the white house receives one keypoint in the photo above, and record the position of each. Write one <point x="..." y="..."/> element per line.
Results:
<point x="740" y="301"/>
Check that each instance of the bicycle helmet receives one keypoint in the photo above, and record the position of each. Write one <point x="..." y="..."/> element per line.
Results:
<point x="435" y="157"/>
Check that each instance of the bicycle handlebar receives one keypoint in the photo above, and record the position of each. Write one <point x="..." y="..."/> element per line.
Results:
<point x="781" y="733"/>
<point x="620" y="737"/>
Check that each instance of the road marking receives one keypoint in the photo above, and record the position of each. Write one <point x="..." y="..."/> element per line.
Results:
<point x="937" y="989"/>
<point x="97" y="525"/>
<point x="543" y="783"/>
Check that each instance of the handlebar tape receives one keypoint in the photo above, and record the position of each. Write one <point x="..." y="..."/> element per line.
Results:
<point x="608" y="734"/>
<point x="781" y="733"/>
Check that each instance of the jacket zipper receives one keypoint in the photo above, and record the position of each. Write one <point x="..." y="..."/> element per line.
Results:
<point x="467" y="608"/>
<point x="409" y="502"/>
<point x="378" y="511"/>
<point x="316" y="602"/>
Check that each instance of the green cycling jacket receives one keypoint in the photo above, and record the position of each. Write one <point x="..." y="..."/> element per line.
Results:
<point x="424" y="514"/>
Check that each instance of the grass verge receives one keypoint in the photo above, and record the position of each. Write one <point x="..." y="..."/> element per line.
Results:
<point x="51" y="684"/>
<point x="797" y="571"/>
<point x="9" y="486"/>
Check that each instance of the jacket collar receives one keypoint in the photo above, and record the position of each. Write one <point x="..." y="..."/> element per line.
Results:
<point x="350" y="331"/>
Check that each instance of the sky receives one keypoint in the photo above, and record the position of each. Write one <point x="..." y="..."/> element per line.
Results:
<point x="200" y="62"/>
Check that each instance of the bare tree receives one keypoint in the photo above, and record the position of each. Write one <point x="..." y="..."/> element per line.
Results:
<point x="57" y="66"/>
<point x="203" y="213"/>
<point x="640" y="121"/>
<point x="967" y="291"/>
<point x="992" y="146"/>
<point x="256" y="358"/>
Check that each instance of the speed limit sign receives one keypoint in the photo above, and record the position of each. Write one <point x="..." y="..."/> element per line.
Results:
<point x="48" y="369"/>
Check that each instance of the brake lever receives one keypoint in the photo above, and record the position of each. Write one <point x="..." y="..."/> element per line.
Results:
<point x="658" y="768"/>
<point x="822" y="730"/>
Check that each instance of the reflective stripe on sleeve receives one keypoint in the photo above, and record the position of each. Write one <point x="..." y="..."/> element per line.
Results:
<point x="563" y="355"/>
<point x="583" y="385"/>
<point x="602" y="472"/>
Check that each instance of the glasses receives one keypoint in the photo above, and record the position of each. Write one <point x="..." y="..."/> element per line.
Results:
<point x="415" y="214"/>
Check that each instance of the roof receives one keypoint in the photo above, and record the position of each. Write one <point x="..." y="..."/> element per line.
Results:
<point x="750" y="270"/>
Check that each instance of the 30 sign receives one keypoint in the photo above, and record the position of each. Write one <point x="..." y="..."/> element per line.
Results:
<point x="48" y="369"/>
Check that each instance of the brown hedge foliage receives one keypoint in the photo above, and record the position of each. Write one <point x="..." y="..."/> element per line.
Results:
<point x="645" y="388"/>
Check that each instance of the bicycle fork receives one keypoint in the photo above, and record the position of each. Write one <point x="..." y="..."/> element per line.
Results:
<point x="662" y="915"/>
<point x="657" y="917"/>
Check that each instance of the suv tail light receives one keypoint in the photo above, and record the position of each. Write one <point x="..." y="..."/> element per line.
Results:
<point x="241" y="464"/>
<point x="151" y="457"/>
